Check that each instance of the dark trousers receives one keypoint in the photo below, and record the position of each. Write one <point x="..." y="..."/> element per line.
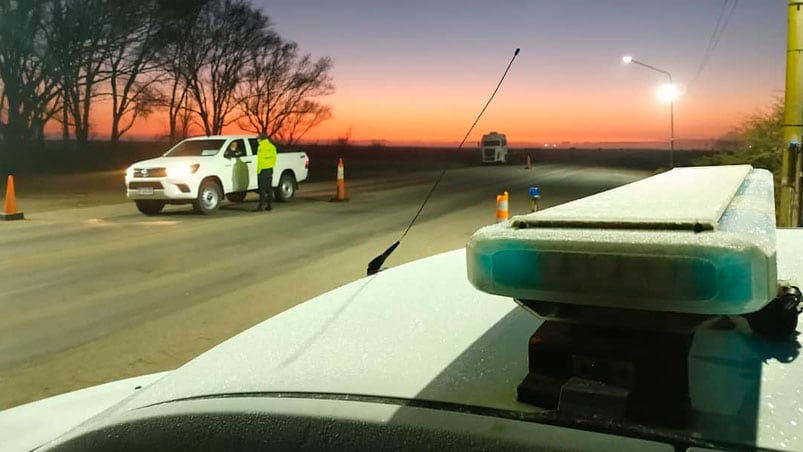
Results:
<point x="265" y="182"/>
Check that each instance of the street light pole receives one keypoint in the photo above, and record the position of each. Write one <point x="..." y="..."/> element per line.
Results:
<point x="628" y="60"/>
<point x="671" y="131"/>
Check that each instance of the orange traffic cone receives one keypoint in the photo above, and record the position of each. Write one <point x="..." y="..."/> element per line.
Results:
<point x="10" y="211"/>
<point x="340" y="194"/>
<point x="529" y="164"/>
<point x="502" y="202"/>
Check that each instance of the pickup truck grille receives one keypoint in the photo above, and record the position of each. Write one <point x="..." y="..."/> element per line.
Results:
<point x="150" y="172"/>
<point x="490" y="154"/>
<point x="153" y="185"/>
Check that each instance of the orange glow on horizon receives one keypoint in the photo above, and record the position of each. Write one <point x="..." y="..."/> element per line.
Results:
<point x="419" y="72"/>
<point x="398" y="117"/>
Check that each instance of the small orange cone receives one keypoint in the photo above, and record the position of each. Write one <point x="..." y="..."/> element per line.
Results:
<point x="340" y="194"/>
<point x="529" y="164"/>
<point x="10" y="211"/>
<point x="502" y="202"/>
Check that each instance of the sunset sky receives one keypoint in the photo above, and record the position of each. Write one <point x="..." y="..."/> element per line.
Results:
<point x="419" y="71"/>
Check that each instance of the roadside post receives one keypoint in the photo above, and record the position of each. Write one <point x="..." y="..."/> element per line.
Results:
<point x="535" y="193"/>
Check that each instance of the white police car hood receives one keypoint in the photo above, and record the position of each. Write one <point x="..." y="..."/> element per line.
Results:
<point x="421" y="331"/>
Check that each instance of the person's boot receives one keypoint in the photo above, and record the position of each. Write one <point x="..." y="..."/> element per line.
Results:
<point x="261" y="203"/>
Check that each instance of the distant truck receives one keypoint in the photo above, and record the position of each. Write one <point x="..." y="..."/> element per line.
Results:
<point x="202" y="170"/>
<point x="493" y="148"/>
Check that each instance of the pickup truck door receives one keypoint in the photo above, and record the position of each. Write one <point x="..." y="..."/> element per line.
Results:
<point x="241" y="162"/>
<point x="252" y="183"/>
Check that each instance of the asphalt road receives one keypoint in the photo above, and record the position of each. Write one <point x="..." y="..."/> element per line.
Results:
<point x="93" y="294"/>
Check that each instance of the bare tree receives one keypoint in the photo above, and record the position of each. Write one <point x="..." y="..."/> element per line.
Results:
<point x="181" y="114"/>
<point x="173" y="86"/>
<point x="280" y="92"/>
<point x="208" y="62"/>
<point x="296" y="124"/>
<point x="185" y="121"/>
<point x="28" y="91"/>
<point x="82" y="39"/>
<point x="172" y="58"/>
<point x="177" y="106"/>
<point x="226" y="33"/>
<point x="137" y="31"/>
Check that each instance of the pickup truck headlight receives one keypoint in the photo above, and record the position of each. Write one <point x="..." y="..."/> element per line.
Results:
<point x="129" y="172"/>
<point x="182" y="170"/>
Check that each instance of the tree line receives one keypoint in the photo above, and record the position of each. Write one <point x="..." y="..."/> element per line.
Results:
<point x="757" y="140"/>
<point x="206" y="64"/>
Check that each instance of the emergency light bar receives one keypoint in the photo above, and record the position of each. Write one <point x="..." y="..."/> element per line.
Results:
<point x="691" y="240"/>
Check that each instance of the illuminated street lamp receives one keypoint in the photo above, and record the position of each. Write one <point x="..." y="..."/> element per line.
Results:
<point x="666" y="93"/>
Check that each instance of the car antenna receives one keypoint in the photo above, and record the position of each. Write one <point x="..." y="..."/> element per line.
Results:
<point x="376" y="264"/>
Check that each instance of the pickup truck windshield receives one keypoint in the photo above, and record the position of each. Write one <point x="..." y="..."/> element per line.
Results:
<point x="491" y="143"/>
<point x="202" y="148"/>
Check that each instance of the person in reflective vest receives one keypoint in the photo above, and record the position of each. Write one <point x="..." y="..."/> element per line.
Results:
<point x="266" y="160"/>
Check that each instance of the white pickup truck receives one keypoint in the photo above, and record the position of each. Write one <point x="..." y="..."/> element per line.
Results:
<point x="201" y="170"/>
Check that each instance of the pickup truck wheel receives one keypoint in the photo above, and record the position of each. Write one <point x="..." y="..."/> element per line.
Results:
<point x="287" y="188"/>
<point x="236" y="196"/>
<point x="149" y="206"/>
<point x="209" y="197"/>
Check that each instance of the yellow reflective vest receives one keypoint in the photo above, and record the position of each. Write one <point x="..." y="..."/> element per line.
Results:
<point x="266" y="155"/>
